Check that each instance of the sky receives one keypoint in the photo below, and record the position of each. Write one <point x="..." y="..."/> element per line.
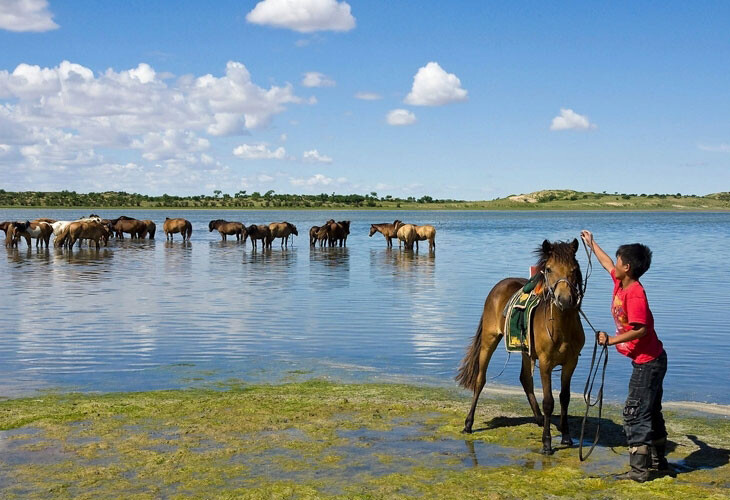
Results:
<point x="464" y="100"/>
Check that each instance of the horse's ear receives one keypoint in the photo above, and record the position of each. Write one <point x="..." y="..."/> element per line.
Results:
<point x="547" y="247"/>
<point x="574" y="245"/>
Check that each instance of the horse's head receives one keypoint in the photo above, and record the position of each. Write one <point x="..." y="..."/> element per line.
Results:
<point x="346" y="225"/>
<point x="562" y="279"/>
<point x="212" y="225"/>
<point x="293" y="229"/>
<point x="373" y="229"/>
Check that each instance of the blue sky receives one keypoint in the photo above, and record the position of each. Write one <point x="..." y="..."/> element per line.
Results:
<point x="471" y="100"/>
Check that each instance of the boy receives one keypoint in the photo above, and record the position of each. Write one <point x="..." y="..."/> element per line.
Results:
<point x="635" y="337"/>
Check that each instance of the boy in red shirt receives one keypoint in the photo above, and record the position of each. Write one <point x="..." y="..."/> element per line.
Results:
<point x="636" y="338"/>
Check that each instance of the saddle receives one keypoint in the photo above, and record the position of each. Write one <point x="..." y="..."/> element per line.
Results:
<point x="518" y="313"/>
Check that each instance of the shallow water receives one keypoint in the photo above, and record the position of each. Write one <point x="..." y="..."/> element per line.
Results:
<point x="147" y="314"/>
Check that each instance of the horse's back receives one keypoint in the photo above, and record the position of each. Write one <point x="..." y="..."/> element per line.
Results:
<point x="496" y="301"/>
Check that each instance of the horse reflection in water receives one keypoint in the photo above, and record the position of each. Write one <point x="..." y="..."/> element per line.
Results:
<point x="329" y="267"/>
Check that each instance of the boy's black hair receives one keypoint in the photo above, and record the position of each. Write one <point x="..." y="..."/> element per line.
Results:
<point x="637" y="256"/>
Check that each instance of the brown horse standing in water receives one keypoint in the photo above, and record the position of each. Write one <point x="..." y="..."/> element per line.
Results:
<point x="387" y="230"/>
<point x="226" y="228"/>
<point x="182" y="226"/>
<point x="558" y="336"/>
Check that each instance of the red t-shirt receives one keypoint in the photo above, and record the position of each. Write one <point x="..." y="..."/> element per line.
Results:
<point x="630" y="305"/>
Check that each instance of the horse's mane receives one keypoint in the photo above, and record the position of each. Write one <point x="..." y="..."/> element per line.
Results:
<point x="562" y="251"/>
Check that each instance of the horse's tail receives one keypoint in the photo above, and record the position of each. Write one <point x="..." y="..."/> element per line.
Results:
<point x="469" y="368"/>
<point x="188" y="228"/>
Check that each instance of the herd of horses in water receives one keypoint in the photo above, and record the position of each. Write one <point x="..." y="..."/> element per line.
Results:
<point x="96" y="230"/>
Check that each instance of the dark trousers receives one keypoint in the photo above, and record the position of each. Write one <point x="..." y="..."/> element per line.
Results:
<point x="643" y="419"/>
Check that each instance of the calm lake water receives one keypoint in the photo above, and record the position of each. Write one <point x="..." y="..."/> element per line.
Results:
<point x="147" y="314"/>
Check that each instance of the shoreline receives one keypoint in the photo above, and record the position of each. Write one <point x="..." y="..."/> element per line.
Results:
<point x="388" y="209"/>
<point x="319" y="439"/>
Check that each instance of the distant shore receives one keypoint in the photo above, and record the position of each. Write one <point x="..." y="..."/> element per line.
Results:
<point x="546" y="200"/>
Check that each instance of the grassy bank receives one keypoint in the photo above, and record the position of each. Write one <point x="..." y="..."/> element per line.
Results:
<point x="324" y="440"/>
<point x="540" y="200"/>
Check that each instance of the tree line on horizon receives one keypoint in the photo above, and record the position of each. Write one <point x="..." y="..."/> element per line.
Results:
<point x="241" y="199"/>
<point x="270" y="199"/>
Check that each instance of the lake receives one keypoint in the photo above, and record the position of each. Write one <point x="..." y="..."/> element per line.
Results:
<point x="140" y="315"/>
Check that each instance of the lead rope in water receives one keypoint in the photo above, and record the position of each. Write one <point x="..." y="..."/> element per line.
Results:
<point x="593" y="372"/>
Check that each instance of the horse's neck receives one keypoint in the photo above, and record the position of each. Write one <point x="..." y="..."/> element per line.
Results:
<point x="560" y="323"/>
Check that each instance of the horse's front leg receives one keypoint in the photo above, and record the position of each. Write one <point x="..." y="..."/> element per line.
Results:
<point x="548" y="403"/>
<point x="566" y="375"/>
<point x="528" y="366"/>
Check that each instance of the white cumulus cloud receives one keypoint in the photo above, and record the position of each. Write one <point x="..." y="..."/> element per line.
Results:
<point x="368" y="96"/>
<point x="304" y="16"/>
<point x="432" y="86"/>
<point x="570" y="120"/>
<point x="715" y="148"/>
<point x="400" y="117"/>
<point x="315" y="79"/>
<point x="62" y="117"/>
<point x="314" y="156"/>
<point x="317" y="180"/>
<point x="259" y="152"/>
<point x="171" y="144"/>
<point x="26" y="15"/>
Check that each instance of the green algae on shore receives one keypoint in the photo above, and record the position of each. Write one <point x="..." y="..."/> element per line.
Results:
<point x="323" y="440"/>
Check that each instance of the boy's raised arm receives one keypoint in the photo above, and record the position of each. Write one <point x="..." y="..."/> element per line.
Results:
<point x="602" y="256"/>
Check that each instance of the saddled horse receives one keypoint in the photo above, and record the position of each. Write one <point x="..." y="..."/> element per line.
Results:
<point x="226" y="228"/>
<point x="182" y="226"/>
<point x="283" y="230"/>
<point x="387" y="230"/>
<point x="426" y="233"/>
<point x="558" y="336"/>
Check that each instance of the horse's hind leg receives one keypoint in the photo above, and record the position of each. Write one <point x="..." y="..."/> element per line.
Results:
<point x="565" y="376"/>
<point x="486" y="349"/>
<point x="528" y="366"/>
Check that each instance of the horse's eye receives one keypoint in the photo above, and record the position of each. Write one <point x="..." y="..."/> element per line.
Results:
<point x="548" y="270"/>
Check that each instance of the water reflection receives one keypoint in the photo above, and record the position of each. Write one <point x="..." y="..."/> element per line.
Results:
<point x="329" y="267"/>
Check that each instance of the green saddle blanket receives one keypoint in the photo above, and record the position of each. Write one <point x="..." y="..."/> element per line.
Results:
<point x="518" y="317"/>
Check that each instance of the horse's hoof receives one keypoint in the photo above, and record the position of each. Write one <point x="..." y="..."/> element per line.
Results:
<point x="567" y="441"/>
<point x="466" y="430"/>
<point x="547" y="451"/>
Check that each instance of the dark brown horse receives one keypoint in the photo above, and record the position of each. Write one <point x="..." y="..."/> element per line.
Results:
<point x="135" y="228"/>
<point x="335" y="232"/>
<point x="259" y="232"/>
<point x="226" y="228"/>
<point x="387" y="230"/>
<point x="151" y="228"/>
<point x="558" y="336"/>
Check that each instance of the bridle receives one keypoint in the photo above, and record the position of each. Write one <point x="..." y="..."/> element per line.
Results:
<point x="575" y="291"/>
